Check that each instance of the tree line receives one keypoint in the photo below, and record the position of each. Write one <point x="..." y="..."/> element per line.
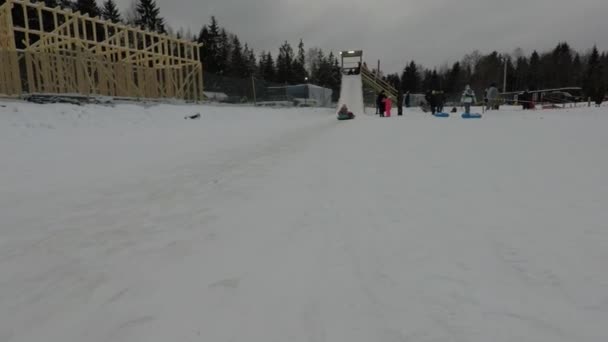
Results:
<point x="142" y="13"/>
<point x="558" y="68"/>
<point x="223" y="53"/>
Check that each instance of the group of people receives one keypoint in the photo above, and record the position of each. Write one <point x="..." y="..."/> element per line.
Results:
<point x="384" y="104"/>
<point x="435" y="100"/>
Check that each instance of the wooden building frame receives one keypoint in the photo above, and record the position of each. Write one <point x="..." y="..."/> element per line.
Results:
<point x="67" y="52"/>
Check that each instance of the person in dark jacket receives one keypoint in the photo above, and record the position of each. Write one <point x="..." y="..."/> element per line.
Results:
<point x="600" y="94"/>
<point x="380" y="103"/>
<point x="428" y="96"/>
<point x="439" y="100"/>
<point x="526" y="98"/>
<point x="431" y="98"/>
<point x="407" y="99"/>
<point x="399" y="102"/>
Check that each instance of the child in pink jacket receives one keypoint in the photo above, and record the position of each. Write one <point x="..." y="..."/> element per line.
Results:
<point x="388" y="104"/>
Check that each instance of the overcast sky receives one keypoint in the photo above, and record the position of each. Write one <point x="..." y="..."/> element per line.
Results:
<point x="432" y="32"/>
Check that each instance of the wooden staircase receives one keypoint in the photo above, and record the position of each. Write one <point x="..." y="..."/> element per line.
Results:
<point x="378" y="84"/>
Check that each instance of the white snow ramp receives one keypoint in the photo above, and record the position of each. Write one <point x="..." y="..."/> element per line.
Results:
<point x="351" y="93"/>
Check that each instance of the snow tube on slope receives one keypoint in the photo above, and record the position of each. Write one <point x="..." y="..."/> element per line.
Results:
<point x="348" y="116"/>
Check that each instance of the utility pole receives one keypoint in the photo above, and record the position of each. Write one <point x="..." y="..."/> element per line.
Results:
<point x="255" y="102"/>
<point x="504" y="83"/>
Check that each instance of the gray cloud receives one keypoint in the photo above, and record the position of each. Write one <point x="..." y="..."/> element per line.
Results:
<point x="432" y="32"/>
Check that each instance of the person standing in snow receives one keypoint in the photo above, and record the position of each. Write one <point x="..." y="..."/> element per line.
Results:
<point x="439" y="100"/>
<point x="400" y="102"/>
<point x="388" y="104"/>
<point x="526" y="99"/>
<point x="431" y="99"/>
<point x="600" y="94"/>
<point x="380" y="103"/>
<point x="407" y="99"/>
<point x="492" y="95"/>
<point x="468" y="99"/>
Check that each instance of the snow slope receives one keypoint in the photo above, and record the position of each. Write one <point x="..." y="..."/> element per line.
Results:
<point x="351" y="93"/>
<point x="133" y="224"/>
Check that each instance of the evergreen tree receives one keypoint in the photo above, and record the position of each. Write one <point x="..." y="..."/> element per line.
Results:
<point x="577" y="71"/>
<point x="266" y="68"/>
<point x="604" y="63"/>
<point x="317" y="63"/>
<point x="393" y="80"/>
<point x="593" y="83"/>
<point x="203" y="38"/>
<point x="489" y="69"/>
<point x="285" y="64"/>
<point x="427" y="82"/>
<point x="453" y="81"/>
<point x="224" y="47"/>
<point x="563" y="59"/>
<point x="435" y="81"/>
<point x="67" y="4"/>
<point x="87" y="7"/>
<point x="238" y="66"/>
<point x="299" y="71"/>
<point x="410" y="79"/>
<point x="261" y="64"/>
<point x="149" y="16"/>
<point x="533" y="79"/>
<point x="522" y="68"/>
<point x="110" y="12"/>
<point x="250" y="60"/>
<point x="209" y="36"/>
<point x="336" y="75"/>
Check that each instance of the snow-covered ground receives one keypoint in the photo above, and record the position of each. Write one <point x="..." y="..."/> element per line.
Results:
<point x="132" y="224"/>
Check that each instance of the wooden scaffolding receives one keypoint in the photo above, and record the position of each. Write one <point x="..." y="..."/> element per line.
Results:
<point x="58" y="51"/>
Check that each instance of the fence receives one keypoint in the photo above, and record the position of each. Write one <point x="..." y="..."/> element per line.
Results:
<point x="255" y="90"/>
